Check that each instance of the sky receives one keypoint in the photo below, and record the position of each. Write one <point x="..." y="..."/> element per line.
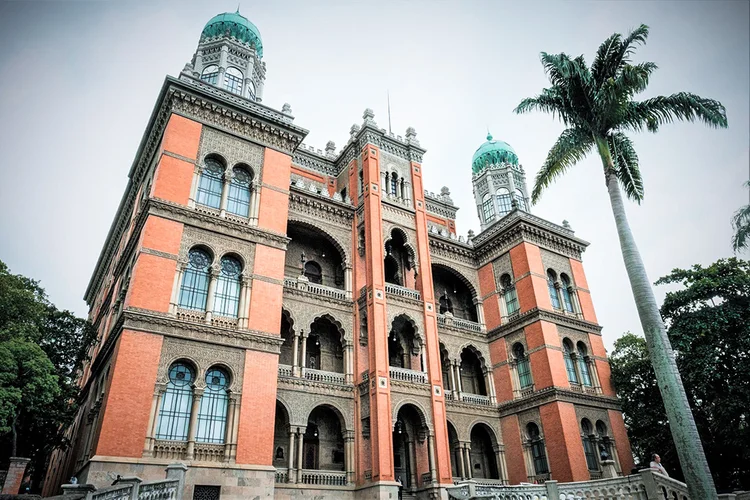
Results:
<point x="78" y="81"/>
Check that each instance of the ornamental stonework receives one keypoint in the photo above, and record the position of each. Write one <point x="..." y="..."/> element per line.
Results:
<point x="202" y="356"/>
<point x="232" y="149"/>
<point x="558" y="263"/>
<point x="219" y="245"/>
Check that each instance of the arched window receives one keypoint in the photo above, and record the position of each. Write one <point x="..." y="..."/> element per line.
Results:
<point x="570" y="366"/>
<point x="238" y="201"/>
<point x="537" y="449"/>
<point x="394" y="184"/>
<point x="194" y="288"/>
<point x="313" y="272"/>
<point x="251" y="90"/>
<point x="210" y="185"/>
<point x="567" y="300"/>
<point x="524" y="370"/>
<point x="503" y="201"/>
<point x="210" y="74"/>
<point x="509" y="292"/>
<point x="212" y="414"/>
<point x="233" y="80"/>
<point x="227" y="295"/>
<point x="553" y="297"/>
<point x="392" y="274"/>
<point x="583" y="366"/>
<point x="174" y="415"/>
<point x="589" y="448"/>
<point x="605" y="447"/>
<point x="521" y="200"/>
<point x="488" y="208"/>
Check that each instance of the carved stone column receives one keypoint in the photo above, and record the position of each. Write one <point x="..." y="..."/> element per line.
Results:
<point x="515" y="381"/>
<point x="193" y="426"/>
<point x="148" y="447"/>
<point x="235" y="428"/>
<point x="295" y="354"/>
<point x="502" y="467"/>
<point x="291" y="476"/>
<point x="228" y="176"/>
<point x="490" y="386"/>
<point x="349" y="456"/>
<point x="411" y="453"/>
<point x="300" y="444"/>
<point x="213" y="276"/>
<point x="480" y="312"/>
<point x="349" y="363"/>
<point x="303" y="361"/>
<point x="229" y="428"/>
<point x="454" y="386"/>
<point x="244" y="300"/>
<point x="431" y="457"/>
<point x="383" y="182"/>
<point x="194" y="185"/>
<point x="175" y="300"/>
<point x="254" y="202"/>
<point x="348" y="281"/>
<point x="461" y="470"/>
<point x="460" y="384"/>
<point x="467" y="452"/>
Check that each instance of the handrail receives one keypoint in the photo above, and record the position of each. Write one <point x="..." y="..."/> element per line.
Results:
<point x="406" y="375"/>
<point x="401" y="291"/>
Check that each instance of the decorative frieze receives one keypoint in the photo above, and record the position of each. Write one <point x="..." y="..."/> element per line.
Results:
<point x="533" y="315"/>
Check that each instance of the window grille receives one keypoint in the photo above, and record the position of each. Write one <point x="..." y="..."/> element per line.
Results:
<point x="488" y="208"/>
<point x="553" y="290"/>
<point x="583" y="366"/>
<point x="212" y="413"/>
<point x="238" y="201"/>
<point x="523" y="367"/>
<point x="194" y="288"/>
<point x="210" y="74"/>
<point x="210" y="185"/>
<point x="569" y="365"/>
<point x="566" y="293"/>
<point x="227" y="295"/>
<point x="233" y="80"/>
<point x="503" y="203"/>
<point x="174" y="415"/>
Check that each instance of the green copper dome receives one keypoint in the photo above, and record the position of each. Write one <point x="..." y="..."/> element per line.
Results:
<point x="492" y="151"/>
<point x="237" y="27"/>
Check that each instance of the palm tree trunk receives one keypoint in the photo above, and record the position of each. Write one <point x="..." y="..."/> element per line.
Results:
<point x="684" y="432"/>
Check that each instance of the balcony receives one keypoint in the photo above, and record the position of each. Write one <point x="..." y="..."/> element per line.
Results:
<point x="476" y="399"/>
<point x="324" y="477"/>
<point x="324" y="291"/>
<point x="406" y="375"/>
<point x="464" y="324"/>
<point x="323" y="376"/>
<point x="400" y="291"/>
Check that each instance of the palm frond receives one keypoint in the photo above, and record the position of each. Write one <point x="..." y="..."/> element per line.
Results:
<point x="654" y="112"/>
<point x="571" y="147"/>
<point x="636" y="37"/>
<point x="625" y="160"/>
<point x="606" y="52"/>
<point x="549" y="101"/>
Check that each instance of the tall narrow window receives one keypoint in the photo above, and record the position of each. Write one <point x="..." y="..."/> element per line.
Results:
<point x="588" y="445"/>
<point x="509" y="292"/>
<point x="174" y="414"/>
<point x="583" y="366"/>
<point x="503" y="201"/>
<point x="233" y="80"/>
<point x="537" y="449"/>
<point x="227" y="295"/>
<point x="521" y="201"/>
<point x="212" y="414"/>
<point x="568" y="301"/>
<point x="210" y="74"/>
<point x="238" y="201"/>
<point x="570" y="366"/>
<point x="313" y="272"/>
<point x="194" y="288"/>
<point x="553" y="297"/>
<point x="210" y="185"/>
<point x="524" y="370"/>
<point x="488" y="208"/>
<point x="394" y="184"/>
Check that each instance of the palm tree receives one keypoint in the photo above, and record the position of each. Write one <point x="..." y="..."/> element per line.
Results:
<point x="597" y="107"/>
<point x="741" y="225"/>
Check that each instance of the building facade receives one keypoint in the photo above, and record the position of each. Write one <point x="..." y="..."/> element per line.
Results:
<point x="294" y="322"/>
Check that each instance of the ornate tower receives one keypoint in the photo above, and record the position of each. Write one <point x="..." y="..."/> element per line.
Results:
<point x="499" y="181"/>
<point x="229" y="56"/>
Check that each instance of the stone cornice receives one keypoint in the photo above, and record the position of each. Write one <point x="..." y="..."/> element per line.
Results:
<point x="440" y="207"/>
<point x="533" y="315"/>
<point x="328" y="209"/>
<point x="317" y="163"/>
<point x="551" y="394"/>
<point x="452" y="250"/>
<point x="369" y="134"/>
<point x="304" y="385"/>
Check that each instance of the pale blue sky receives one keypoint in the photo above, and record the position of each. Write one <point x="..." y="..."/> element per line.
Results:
<point x="78" y="81"/>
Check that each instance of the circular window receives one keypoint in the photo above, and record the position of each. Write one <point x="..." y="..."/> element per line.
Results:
<point x="216" y="379"/>
<point x="181" y="375"/>
<point x="199" y="259"/>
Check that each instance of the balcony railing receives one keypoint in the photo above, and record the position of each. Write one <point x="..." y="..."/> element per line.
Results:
<point x="476" y="399"/>
<point x="314" y="288"/>
<point x="323" y="376"/>
<point x="401" y="291"/>
<point x="285" y="371"/>
<point x="324" y="477"/>
<point x="406" y="375"/>
<point x="465" y="324"/>
<point x="426" y="478"/>
<point x="281" y="476"/>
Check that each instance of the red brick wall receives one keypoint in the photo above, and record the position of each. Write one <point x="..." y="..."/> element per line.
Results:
<point x="182" y="136"/>
<point x="620" y="435"/>
<point x="257" y="409"/>
<point x="487" y="289"/>
<point x="567" y="461"/>
<point x="513" y="450"/>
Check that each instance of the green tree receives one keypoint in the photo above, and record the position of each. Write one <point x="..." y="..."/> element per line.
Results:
<point x="597" y="107"/>
<point x="741" y="226"/>
<point x="42" y="350"/>
<point x="709" y="327"/>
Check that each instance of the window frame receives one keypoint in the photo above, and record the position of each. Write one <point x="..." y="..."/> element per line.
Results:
<point x="193" y="292"/>
<point x="233" y="82"/>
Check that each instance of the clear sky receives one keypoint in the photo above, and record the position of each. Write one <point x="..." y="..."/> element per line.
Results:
<point x="78" y="81"/>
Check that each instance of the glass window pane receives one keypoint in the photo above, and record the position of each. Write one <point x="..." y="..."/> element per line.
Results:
<point x="569" y="365"/>
<point x="504" y="205"/>
<point x="194" y="288"/>
<point x="584" y="367"/>
<point x="227" y="295"/>
<point x="210" y="74"/>
<point x="553" y="291"/>
<point x="177" y="401"/>
<point x="211" y="183"/>
<point x="488" y="208"/>
<point x="238" y="201"/>
<point x="212" y="413"/>
<point x="524" y="373"/>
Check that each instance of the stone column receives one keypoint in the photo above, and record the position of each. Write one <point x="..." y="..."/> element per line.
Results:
<point x="303" y="361"/>
<point x="229" y="428"/>
<point x="480" y="312"/>
<point x="228" y="175"/>
<point x="244" y="300"/>
<point x="467" y="451"/>
<point x="431" y="456"/>
<point x="579" y="375"/>
<point x="454" y="387"/>
<point x="490" y="386"/>
<point x="503" y="465"/>
<point x="300" y="444"/>
<point x="194" y="185"/>
<point x="235" y="427"/>
<point x="423" y="357"/>
<point x="458" y="377"/>
<point x="193" y="426"/>
<point x="349" y="456"/>
<point x="254" y="202"/>
<point x="154" y="419"/>
<point x="461" y="470"/>
<point x="491" y="188"/>
<point x="514" y="379"/>
<point x="383" y="182"/>
<point x="411" y="452"/>
<point x="349" y="360"/>
<point x="222" y="66"/>
<point x="348" y="281"/>
<point x="213" y="276"/>
<point x="594" y="375"/>
<point x="407" y="189"/>
<point x="295" y="354"/>
<point x="175" y="300"/>
<point x="291" y="476"/>
<point x="560" y="299"/>
<point x="511" y="185"/>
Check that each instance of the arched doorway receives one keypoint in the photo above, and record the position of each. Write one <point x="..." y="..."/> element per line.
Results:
<point x="399" y="260"/>
<point x="454" y="296"/>
<point x="324" y="350"/>
<point x="323" y="441"/>
<point x="472" y="373"/>
<point x="403" y="349"/>
<point x="409" y="447"/>
<point x="313" y="252"/>
<point x="483" y="456"/>
<point x="286" y="354"/>
<point x="455" y="448"/>
<point x="281" y="451"/>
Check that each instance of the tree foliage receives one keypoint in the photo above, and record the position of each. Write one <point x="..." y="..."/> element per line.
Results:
<point x="741" y="226"/>
<point x="709" y="327"/>
<point x="42" y="350"/>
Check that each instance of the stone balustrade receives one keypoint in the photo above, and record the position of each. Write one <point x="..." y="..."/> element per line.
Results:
<point x="304" y="284"/>
<point x="281" y="476"/>
<point x="324" y="477"/>
<point x="476" y="399"/>
<point x="285" y="371"/>
<point x="426" y="478"/>
<point x="323" y="376"/>
<point x="132" y="488"/>
<point x="464" y="324"/>
<point x="400" y="291"/>
<point x="406" y="375"/>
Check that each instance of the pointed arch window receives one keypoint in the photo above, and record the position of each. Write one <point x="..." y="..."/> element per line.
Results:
<point x="524" y="369"/>
<point x="583" y="366"/>
<point x="394" y="184"/>
<point x="589" y="449"/>
<point x="567" y="299"/>
<point x="521" y="200"/>
<point x="212" y="413"/>
<point x="553" y="297"/>
<point x="174" y="414"/>
<point x="211" y="183"/>
<point x="488" y="208"/>
<point x="210" y="74"/>
<point x="227" y="295"/>
<point x="538" y="453"/>
<point x="233" y="80"/>
<point x="238" y="201"/>
<point x="194" y="288"/>
<point x="503" y="201"/>
<point x="570" y="366"/>
<point x="510" y="295"/>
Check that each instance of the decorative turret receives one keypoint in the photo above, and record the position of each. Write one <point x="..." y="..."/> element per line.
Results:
<point x="229" y="56"/>
<point x="499" y="181"/>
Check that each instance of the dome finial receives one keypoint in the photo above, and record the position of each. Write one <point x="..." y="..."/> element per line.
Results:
<point x="238" y="9"/>
<point x="489" y="136"/>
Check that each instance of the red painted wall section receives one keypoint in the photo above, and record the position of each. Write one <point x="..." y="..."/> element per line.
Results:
<point x="584" y="294"/>
<point x="182" y="137"/>
<point x="547" y="364"/>
<point x="501" y="373"/>
<point x="513" y="450"/>
<point x="151" y="283"/>
<point x="163" y="235"/>
<point x="491" y="302"/>
<point x="597" y="345"/>
<point x="274" y="195"/>
<point x="257" y="409"/>
<point x="605" y="377"/>
<point x="267" y="291"/>
<point x="563" y="439"/>
<point x="529" y="275"/>
<point x="173" y="180"/>
<point x="620" y="435"/>
<point x="128" y="406"/>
